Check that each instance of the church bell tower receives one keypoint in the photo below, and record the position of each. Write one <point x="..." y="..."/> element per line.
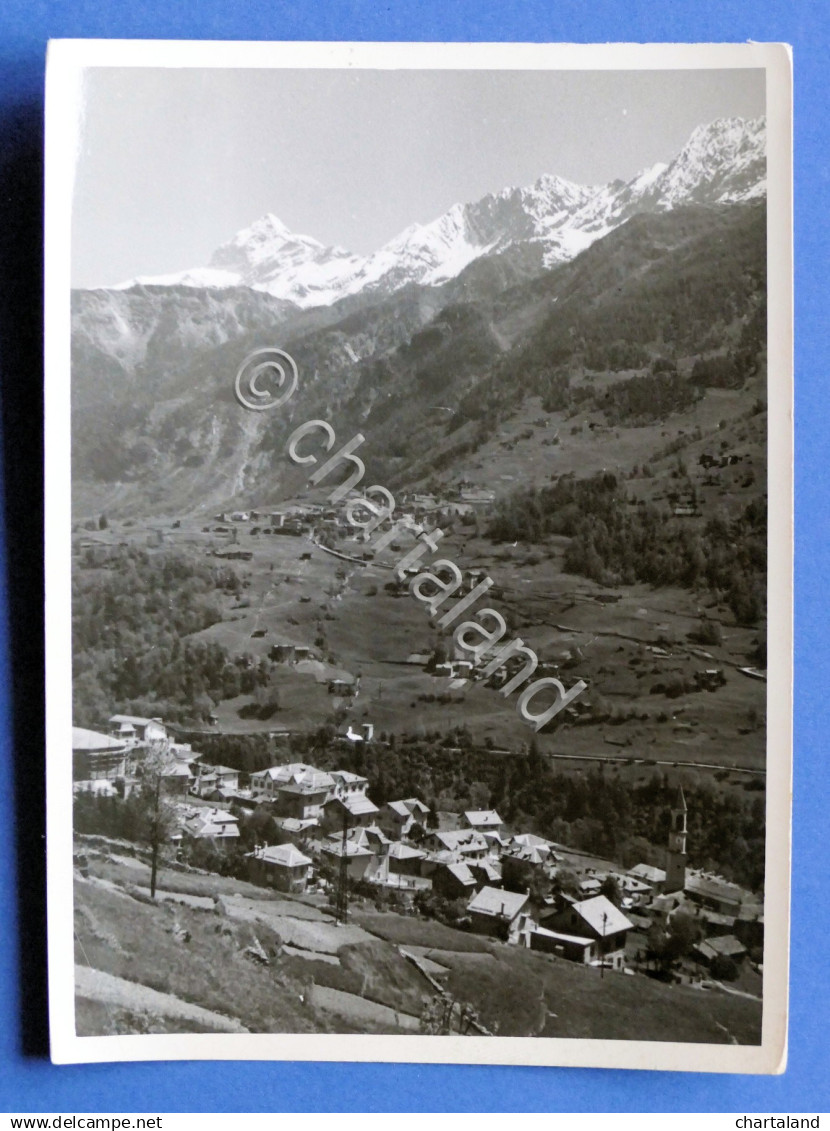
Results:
<point x="676" y="852"/>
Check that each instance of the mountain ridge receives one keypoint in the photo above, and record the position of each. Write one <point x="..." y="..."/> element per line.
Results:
<point x="423" y="371"/>
<point x="722" y="162"/>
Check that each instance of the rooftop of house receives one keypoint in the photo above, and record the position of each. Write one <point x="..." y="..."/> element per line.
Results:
<point x="462" y="873"/>
<point x="531" y="840"/>
<point x="600" y="914"/>
<point x="296" y="824"/>
<point x="633" y="886"/>
<point x="483" y="818"/>
<point x="706" y="887"/>
<point x="649" y="873"/>
<point x="716" y="919"/>
<point x="498" y="902"/>
<point x="224" y="793"/>
<point x="489" y="869"/>
<point x="134" y="720"/>
<point x="303" y="789"/>
<point x="347" y="777"/>
<point x="664" y="903"/>
<point x="529" y="854"/>
<point x="219" y="816"/>
<point x="408" y="807"/>
<point x="335" y="846"/>
<point x="725" y="946"/>
<point x="400" y="851"/>
<point x="358" y="805"/>
<point x="176" y="770"/>
<point x="296" y="773"/>
<point x="281" y="855"/>
<point x="215" y="823"/>
<point x="370" y="836"/>
<point x="93" y="740"/>
<point x="461" y="840"/>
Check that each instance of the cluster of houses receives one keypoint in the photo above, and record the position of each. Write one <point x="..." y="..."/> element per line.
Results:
<point x="327" y="825"/>
<point x="303" y="518"/>
<point x="109" y="763"/>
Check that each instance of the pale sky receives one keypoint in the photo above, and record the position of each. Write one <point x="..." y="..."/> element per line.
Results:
<point x="173" y="162"/>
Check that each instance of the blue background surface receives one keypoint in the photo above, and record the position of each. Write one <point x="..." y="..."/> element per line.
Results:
<point x="28" y="1082"/>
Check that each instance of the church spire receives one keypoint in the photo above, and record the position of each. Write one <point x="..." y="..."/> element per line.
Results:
<point x="676" y="849"/>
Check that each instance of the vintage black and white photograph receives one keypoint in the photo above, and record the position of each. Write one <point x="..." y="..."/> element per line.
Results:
<point x="413" y="489"/>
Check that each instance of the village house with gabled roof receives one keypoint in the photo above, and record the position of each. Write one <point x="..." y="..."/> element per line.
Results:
<point x="97" y="756"/>
<point x="722" y="946"/>
<point x="599" y="919"/>
<point x="175" y="778"/>
<point x="463" y="843"/>
<point x="359" y="856"/>
<point x="543" y="848"/>
<point x="716" y="894"/>
<point x="576" y="948"/>
<point x="280" y="866"/>
<point x="647" y="873"/>
<point x="297" y="789"/>
<point x="401" y="867"/>
<point x="346" y="783"/>
<point x="398" y="818"/>
<point x="487" y="872"/>
<point x="534" y="855"/>
<point x="404" y="859"/>
<point x="215" y="825"/>
<point x="501" y="914"/>
<point x="302" y="799"/>
<point x="484" y="821"/>
<point x="297" y="831"/>
<point x="265" y="784"/>
<point x="455" y="880"/>
<point x="209" y="778"/>
<point x="371" y="837"/>
<point x="522" y="865"/>
<point x="137" y="728"/>
<point x="353" y="809"/>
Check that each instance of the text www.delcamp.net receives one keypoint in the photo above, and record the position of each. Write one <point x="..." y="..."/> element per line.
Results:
<point x="88" y="1122"/>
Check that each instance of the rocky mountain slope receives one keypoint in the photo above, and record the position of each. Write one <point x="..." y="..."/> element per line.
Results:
<point x="428" y="374"/>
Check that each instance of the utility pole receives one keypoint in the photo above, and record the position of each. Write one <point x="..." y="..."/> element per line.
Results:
<point x="342" y="907"/>
<point x="602" y="951"/>
<point x="155" y="834"/>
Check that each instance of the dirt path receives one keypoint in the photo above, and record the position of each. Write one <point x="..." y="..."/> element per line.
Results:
<point x="323" y="936"/>
<point x="96" y="985"/>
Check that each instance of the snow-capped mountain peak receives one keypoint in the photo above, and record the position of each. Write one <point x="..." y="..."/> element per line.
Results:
<point x="722" y="162"/>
